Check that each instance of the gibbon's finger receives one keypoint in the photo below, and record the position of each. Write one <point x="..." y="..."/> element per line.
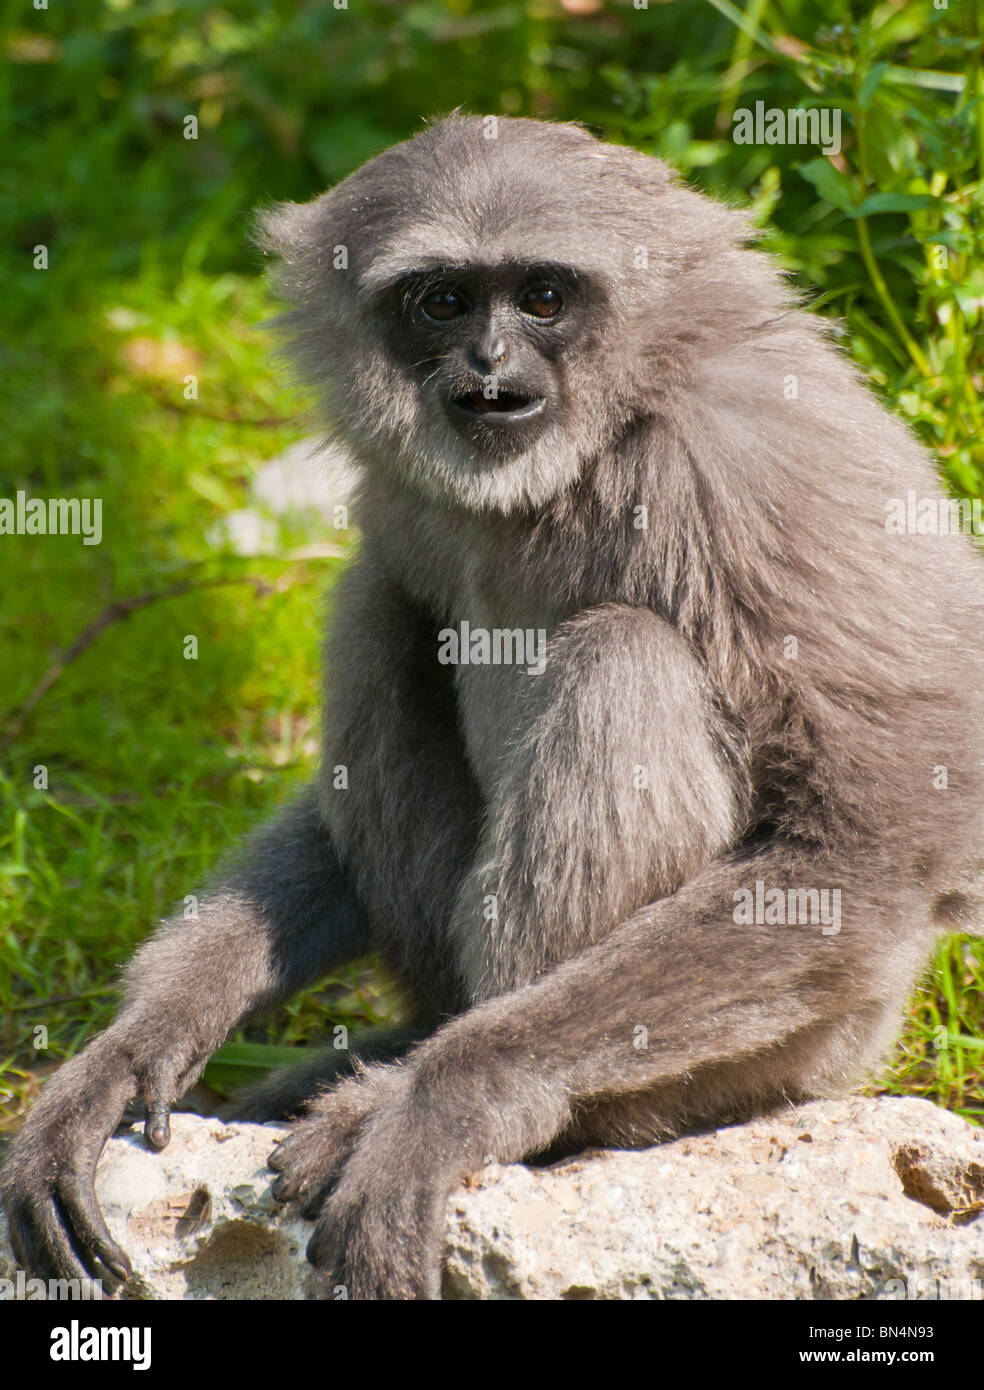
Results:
<point x="157" y="1126"/>
<point x="87" y="1224"/>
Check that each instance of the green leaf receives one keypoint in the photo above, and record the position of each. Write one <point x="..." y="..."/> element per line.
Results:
<point x="869" y="83"/>
<point x="962" y="1040"/>
<point x="741" y="21"/>
<point x="956" y="238"/>
<point x="927" y="77"/>
<point x="213" y="490"/>
<point x="892" y="202"/>
<point x="237" y="1064"/>
<point x="892" y="148"/>
<point x="830" y="183"/>
<point x="263" y="1055"/>
<point x="337" y="145"/>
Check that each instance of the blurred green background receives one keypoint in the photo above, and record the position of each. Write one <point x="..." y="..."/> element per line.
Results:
<point x="154" y="764"/>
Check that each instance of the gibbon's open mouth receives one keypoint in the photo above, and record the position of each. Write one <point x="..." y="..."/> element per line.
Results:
<point x="503" y="408"/>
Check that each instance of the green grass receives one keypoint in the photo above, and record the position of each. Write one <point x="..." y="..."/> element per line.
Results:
<point x="155" y="765"/>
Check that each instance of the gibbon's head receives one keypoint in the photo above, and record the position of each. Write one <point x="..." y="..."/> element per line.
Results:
<point x="487" y="306"/>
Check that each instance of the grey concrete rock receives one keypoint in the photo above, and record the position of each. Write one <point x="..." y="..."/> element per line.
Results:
<point x="838" y="1199"/>
<point x="809" y="1203"/>
<point x="307" y="476"/>
<point x="310" y="481"/>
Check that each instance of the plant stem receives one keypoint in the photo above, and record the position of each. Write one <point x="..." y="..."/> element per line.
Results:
<point x="978" y="89"/>
<point x="744" y="39"/>
<point x="868" y="255"/>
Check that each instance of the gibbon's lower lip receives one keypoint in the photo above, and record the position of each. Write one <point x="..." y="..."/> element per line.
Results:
<point x="505" y="408"/>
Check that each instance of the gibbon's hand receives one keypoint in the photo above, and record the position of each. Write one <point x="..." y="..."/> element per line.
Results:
<point x="57" y="1230"/>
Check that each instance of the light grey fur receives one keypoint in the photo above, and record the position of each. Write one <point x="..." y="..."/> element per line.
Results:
<point x="551" y="862"/>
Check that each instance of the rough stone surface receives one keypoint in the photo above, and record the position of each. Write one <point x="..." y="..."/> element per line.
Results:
<point x="839" y="1199"/>
<point x="198" y="1220"/>
<point x="809" y="1203"/>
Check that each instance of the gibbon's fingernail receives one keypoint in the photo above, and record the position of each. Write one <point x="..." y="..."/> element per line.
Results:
<point x="317" y="1250"/>
<point x="312" y="1207"/>
<point x="158" y="1129"/>
<point x="120" y="1268"/>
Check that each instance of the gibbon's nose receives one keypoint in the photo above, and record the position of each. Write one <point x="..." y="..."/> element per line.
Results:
<point x="491" y="354"/>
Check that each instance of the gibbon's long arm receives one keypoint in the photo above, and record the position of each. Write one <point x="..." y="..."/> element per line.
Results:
<point x="277" y="923"/>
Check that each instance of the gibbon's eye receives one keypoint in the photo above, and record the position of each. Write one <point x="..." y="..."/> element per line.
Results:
<point x="443" y="305"/>
<point x="542" y="303"/>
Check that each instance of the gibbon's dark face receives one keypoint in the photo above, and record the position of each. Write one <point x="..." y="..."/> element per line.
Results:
<point x="487" y="308"/>
<point x="489" y="345"/>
